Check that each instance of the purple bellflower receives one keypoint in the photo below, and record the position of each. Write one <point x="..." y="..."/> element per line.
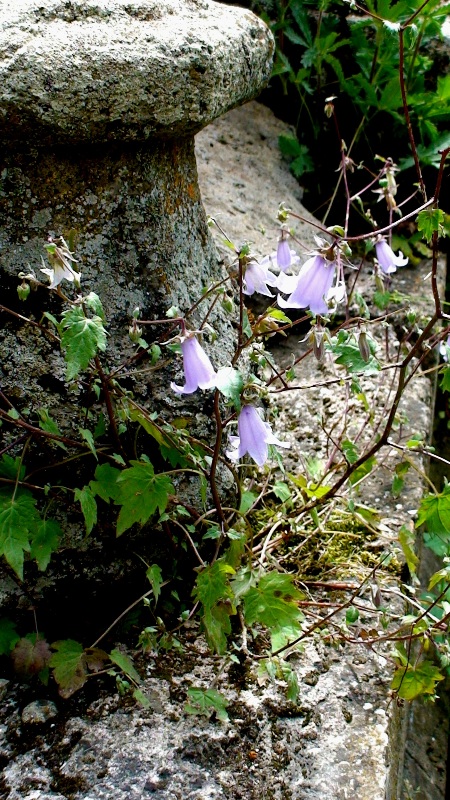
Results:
<point x="283" y="259"/>
<point x="257" y="278"/>
<point x="311" y="287"/>
<point x="254" y="437"/>
<point x="387" y="259"/>
<point x="198" y="371"/>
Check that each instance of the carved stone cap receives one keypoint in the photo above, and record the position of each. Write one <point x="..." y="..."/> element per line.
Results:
<point x="128" y="70"/>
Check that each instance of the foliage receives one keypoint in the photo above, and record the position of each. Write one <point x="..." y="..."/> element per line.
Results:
<point x="240" y="535"/>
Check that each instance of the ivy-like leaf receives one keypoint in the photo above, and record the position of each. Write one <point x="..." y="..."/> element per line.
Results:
<point x="93" y="302"/>
<point x="30" y="656"/>
<point x="105" y="484"/>
<point x="88" y="506"/>
<point x="69" y="666"/>
<point x="213" y="584"/>
<point x="9" y="467"/>
<point x="217" y="624"/>
<point x="206" y="701"/>
<point x="230" y="383"/>
<point x="429" y="221"/>
<point x="363" y="470"/>
<point x="435" y="511"/>
<point x="410" y="682"/>
<point x="82" y="337"/>
<point x="45" y="542"/>
<point x="273" y="604"/>
<point x="348" y="354"/>
<point x="142" y="492"/>
<point x="18" y="521"/>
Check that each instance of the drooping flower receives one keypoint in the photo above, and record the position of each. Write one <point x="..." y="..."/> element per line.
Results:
<point x="257" y="278"/>
<point x="444" y="348"/>
<point x="310" y="288"/>
<point x="254" y="437"/>
<point x="283" y="259"/>
<point x="199" y="373"/>
<point x="61" y="260"/>
<point x="387" y="259"/>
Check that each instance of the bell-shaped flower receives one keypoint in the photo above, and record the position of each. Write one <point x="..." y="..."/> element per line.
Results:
<point x="283" y="259"/>
<point x="254" y="437"/>
<point x="199" y="373"/>
<point x="387" y="259"/>
<point x="61" y="260"/>
<point x="311" y="287"/>
<point x="61" y="272"/>
<point x="257" y="278"/>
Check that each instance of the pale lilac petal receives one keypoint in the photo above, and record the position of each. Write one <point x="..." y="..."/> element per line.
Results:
<point x="254" y="437"/>
<point x="283" y="255"/>
<point x="314" y="281"/>
<point x="199" y="373"/>
<point x="257" y="278"/>
<point x="387" y="259"/>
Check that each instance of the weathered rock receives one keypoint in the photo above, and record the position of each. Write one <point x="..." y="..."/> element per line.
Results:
<point x="125" y="70"/>
<point x="126" y="84"/>
<point x="38" y="712"/>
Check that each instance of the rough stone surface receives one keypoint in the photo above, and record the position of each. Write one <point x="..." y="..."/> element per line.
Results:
<point x="333" y="741"/>
<point x="126" y="70"/>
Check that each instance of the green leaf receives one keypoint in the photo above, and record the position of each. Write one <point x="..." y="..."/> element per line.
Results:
<point x="429" y="221"/>
<point x="88" y="506"/>
<point x="272" y="603"/>
<point x="410" y="682"/>
<point x="230" y="383"/>
<point x="18" y="521"/>
<point x="89" y="439"/>
<point x="362" y="470"/>
<point x="347" y="353"/>
<point x="69" y="666"/>
<point x="142" y="492"/>
<point x="46" y="423"/>
<point x="9" y="467"/>
<point x="350" y="451"/>
<point x="435" y="511"/>
<point x="93" y="302"/>
<point x="45" y="542"/>
<point x="82" y="337"/>
<point x="141" y="698"/>
<point x="8" y="636"/>
<point x="247" y="500"/>
<point x="217" y="624"/>
<point x="106" y="483"/>
<point x="206" y="701"/>
<point x="213" y="584"/>
<point x="154" y="576"/>
<point x="125" y="664"/>
<point x="282" y="491"/>
<point x="445" y="379"/>
<point x="407" y="541"/>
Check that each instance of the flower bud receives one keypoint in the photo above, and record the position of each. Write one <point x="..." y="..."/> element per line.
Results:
<point x="363" y="345"/>
<point x="134" y="332"/>
<point x="23" y="290"/>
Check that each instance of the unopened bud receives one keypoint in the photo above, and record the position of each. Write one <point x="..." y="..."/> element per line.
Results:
<point x="134" y="332"/>
<point x="23" y="290"/>
<point x="317" y="336"/>
<point x="136" y="312"/>
<point x="363" y="345"/>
